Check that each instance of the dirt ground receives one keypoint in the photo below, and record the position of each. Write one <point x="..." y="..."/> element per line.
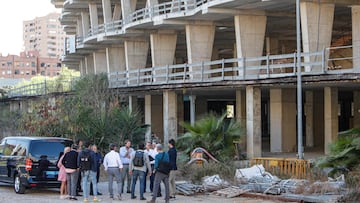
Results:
<point x="7" y="194"/>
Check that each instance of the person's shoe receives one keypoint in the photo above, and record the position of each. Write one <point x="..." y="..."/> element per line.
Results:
<point x="172" y="197"/>
<point x="118" y="197"/>
<point x="128" y="191"/>
<point x="73" y="198"/>
<point x="133" y="197"/>
<point x="151" y="201"/>
<point x="159" y="195"/>
<point x="86" y="200"/>
<point x="96" y="199"/>
<point x="99" y="193"/>
<point x="142" y="198"/>
<point x="111" y="196"/>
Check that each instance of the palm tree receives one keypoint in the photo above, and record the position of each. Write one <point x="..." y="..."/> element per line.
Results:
<point x="214" y="133"/>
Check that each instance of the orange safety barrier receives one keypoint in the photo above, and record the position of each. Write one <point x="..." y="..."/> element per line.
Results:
<point x="296" y="168"/>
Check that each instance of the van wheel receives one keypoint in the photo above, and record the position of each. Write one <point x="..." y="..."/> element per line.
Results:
<point x="18" y="185"/>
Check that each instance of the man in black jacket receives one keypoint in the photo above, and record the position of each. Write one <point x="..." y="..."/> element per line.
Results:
<point x="70" y="161"/>
<point x="172" y="157"/>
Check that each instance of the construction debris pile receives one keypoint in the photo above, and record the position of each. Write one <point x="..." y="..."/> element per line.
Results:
<point x="256" y="181"/>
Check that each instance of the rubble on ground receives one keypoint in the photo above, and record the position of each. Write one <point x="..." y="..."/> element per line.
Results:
<point x="256" y="182"/>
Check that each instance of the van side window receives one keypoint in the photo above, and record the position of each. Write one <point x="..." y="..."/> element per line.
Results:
<point x="14" y="148"/>
<point x="2" y="147"/>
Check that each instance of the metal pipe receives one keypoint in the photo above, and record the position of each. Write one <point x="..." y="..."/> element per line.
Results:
<point x="299" y="88"/>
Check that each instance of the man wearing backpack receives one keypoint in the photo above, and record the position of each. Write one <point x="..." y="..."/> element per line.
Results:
<point x="88" y="167"/>
<point x="139" y="164"/>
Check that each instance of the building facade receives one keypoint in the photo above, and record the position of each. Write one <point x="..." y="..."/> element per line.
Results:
<point x="44" y="34"/>
<point x="180" y="59"/>
<point x="28" y="65"/>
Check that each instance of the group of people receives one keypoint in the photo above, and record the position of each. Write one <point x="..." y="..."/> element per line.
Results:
<point x="120" y="165"/>
<point x="79" y="167"/>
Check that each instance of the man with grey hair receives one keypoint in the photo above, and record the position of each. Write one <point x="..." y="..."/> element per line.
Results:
<point x="160" y="176"/>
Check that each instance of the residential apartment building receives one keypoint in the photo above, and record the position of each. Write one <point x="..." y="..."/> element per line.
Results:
<point x="180" y="59"/>
<point x="44" y="34"/>
<point x="28" y="65"/>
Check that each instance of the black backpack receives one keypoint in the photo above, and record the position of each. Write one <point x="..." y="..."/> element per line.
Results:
<point x="139" y="159"/>
<point x="85" y="160"/>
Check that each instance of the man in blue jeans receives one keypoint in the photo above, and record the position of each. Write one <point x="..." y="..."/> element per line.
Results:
<point x="139" y="164"/>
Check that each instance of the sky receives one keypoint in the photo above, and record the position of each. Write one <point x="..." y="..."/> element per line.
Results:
<point x="12" y="15"/>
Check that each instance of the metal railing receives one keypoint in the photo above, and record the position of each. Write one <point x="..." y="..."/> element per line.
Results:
<point x="43" y="88"/>
<point x="235" y="69"/>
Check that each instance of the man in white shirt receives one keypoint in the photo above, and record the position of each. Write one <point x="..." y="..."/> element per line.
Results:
<point x="125" y="153"/>
<point x="113" y="166"/>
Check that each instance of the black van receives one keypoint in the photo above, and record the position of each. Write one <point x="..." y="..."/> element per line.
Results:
<point x="28" y="162"/>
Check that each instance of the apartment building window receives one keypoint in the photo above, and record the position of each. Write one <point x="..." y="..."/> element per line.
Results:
<point x="33" y="72"/>
<point x="33" y="64"/>
<point x="42" y="65"/>
<point x="3" y="64"/>
<point x="9" y="63"/>
<point x="8" y="72"/>
<point x="42" y="73"/>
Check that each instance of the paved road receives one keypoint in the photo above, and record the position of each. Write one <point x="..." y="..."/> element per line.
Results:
<point x="8" y="195"/>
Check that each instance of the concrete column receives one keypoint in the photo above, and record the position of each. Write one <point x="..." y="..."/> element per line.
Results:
<point x="127" y="7"/>
<point x="116" y="59"/>
<point x="162" y="52"/>
<point x="282" y="120"/>
<point x="355" y="9"/>
<point x="309" y="116"/>
<point x="180" y="112"/>
<point x="136" y="53"/>
<point x="199" y="46"/>
<point x="85" y="18"/>
<point x="106" y="6"/>
<point x="316" y="28"/>
<point x="170" y="115"/>
<point x="117" y="12"/>
<point x="331" y="126"/>
<point x="148" y="114"/>
<point x="250" y="35"/>
<point x="100" y="62"/>
<point x="356" y="108"/>
<point x="241" y="107"/>
<point x="82" y="67"/>
<point x="79" y="28"/>
<point x="192" y="99"/>
<point x="151" y="3"/>
<point x="94" y="21"/>
<point x="133" y="103"/>
<point x="90" y="66"/>
<point x="253" y="121"/>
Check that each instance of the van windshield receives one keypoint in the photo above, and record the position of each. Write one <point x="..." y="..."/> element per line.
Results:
<point x="51" y="149"/>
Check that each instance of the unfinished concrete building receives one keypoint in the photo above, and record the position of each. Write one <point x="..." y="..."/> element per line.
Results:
<point x="180" y="59"/>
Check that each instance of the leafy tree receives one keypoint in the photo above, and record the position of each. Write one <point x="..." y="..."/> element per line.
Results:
<point x="214" y="133"/>
<point x="9" y="120"/>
